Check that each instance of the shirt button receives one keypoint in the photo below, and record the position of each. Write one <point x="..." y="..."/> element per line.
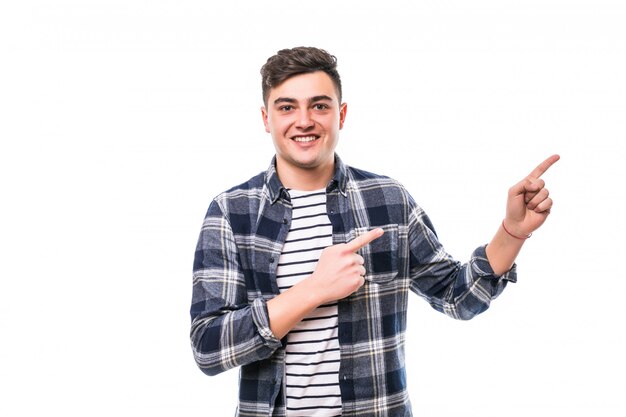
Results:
<point x="345" y="377"/>
<point x="332" y="212"/>
<point x="271" y="260"/>
<point x="284" y="221"/>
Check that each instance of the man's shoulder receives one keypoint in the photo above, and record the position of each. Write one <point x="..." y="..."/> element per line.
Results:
<point x="361" y="177"/>
<point x="254" y="183"/>
<point x="251" y="188"/>
<point x="376" y="189"/>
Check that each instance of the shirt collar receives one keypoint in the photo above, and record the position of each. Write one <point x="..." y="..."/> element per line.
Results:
<point x="276" y="188"/>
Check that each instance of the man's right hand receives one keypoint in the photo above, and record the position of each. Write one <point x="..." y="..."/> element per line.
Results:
<point x="340" y="270"/>
<point x="338" y="274"/>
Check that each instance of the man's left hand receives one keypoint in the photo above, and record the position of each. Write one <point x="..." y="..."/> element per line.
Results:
<point x="528" y="203"/>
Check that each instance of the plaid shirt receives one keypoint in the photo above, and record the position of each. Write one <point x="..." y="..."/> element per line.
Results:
<point x="234" y="275"/>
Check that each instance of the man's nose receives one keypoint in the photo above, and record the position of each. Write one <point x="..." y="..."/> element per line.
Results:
<point x="304" y="119"/>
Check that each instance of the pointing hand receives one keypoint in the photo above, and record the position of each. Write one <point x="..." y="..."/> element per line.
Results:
<point x="340" y="270"/>
<point x="528" y="203"/>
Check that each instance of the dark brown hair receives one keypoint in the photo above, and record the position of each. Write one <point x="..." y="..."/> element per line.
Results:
<point x="300" y="60"/>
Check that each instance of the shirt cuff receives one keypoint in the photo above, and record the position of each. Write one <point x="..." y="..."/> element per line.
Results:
<point x="481" y="267"/>
<point x="262" y="322"/>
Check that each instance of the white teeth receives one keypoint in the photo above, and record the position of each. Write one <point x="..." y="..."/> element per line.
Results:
<point x="304" y="138"/>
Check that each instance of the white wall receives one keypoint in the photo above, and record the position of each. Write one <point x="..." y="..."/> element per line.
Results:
<point x="120" y="120"/>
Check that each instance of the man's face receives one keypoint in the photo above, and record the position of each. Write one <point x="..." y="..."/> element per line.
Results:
<point x="304" y="116"/>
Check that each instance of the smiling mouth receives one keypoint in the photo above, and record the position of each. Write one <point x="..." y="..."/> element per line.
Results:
<point x="304" y="139"/>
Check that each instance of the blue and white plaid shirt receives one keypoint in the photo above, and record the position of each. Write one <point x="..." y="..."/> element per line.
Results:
<point x="234" y="275"/>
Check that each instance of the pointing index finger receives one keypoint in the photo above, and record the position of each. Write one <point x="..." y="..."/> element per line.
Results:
<point x="364" y="239"/>
<point x="543" y="167"/>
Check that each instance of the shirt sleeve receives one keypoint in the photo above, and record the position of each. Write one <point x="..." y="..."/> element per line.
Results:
<point x="461" y="291"/>
<point x="227" y="329"/>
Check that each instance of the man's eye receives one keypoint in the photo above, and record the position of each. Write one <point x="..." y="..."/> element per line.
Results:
<point x="286" y="108"/>
<point x="320" y="106"/>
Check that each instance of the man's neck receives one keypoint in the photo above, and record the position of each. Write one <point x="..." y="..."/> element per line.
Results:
<point x="305" y="179"/>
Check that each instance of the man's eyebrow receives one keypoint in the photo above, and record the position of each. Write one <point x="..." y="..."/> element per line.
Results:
<point x="320" y="98"/>
<point x="285" y="100"/>
<point x="310" y="100"/>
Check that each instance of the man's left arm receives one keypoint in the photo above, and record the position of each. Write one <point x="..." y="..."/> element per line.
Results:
<point x="528" y="206"/>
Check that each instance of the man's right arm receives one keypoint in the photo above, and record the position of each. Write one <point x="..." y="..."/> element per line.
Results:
<point x="226" y="330"/>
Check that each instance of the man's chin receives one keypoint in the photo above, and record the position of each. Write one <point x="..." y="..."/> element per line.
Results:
<point x="307" y="161"/>
<point x="311" y="164"/>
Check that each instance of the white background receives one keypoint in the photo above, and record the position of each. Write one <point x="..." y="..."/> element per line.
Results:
<point x="120" y="120"/>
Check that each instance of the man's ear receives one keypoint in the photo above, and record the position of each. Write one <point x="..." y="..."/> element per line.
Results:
<point x="343" y="110"/>
<point x="265" y="121"/>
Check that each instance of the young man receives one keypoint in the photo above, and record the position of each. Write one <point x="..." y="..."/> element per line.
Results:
<point x="301" y="274"/>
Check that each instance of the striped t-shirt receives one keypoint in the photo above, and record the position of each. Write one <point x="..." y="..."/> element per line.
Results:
<point x="312" y="350"/>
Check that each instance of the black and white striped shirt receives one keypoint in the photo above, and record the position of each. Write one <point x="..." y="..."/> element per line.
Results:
<point x="312" y="351"/>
